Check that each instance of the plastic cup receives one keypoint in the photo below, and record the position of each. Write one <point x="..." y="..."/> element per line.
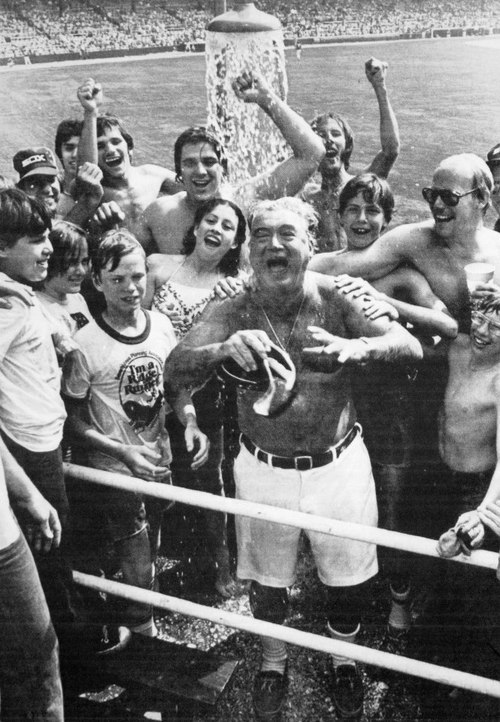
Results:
<point x="477" y="273"/>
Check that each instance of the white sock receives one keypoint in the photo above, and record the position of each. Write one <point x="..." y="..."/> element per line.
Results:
<point x="351" y="637"/>
<point x="147" y="629"/>
<point x="273" y="655"/>
<point x="400" y="615"/>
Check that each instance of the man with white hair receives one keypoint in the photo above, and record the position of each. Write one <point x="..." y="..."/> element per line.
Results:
<point x="307" y="453"/>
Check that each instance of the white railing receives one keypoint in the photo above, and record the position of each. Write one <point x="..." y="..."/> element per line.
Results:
<point x="383" y="537"/>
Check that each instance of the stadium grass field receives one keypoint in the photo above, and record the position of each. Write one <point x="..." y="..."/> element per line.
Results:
<point x="444" y="92"/>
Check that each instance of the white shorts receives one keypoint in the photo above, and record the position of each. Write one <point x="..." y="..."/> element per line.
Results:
<point x="343" y="490"/>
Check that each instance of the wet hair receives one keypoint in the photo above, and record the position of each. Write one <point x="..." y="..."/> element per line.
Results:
<point x="107" y="121"/>
<point x="113" y="247"/>
<point x="21" y="216"/>
<point x="294" y="205"/>
<point x="346" y="130"/>
<point x="67" y="241"/>
<point x="66" y="130"/>
<point x="374" y="190"/>
<point x="230" y="263"/>
<point x="490" y="303"/>
<point x="198" y="134"/>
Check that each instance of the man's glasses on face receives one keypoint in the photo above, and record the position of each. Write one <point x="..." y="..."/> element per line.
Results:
<point x="478" y="318"/>
<point x="449" y="198"/>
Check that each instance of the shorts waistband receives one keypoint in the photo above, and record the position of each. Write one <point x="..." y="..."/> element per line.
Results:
<point x="302" y="463"/>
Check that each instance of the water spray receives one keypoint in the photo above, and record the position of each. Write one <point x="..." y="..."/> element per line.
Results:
<point x="245" y="39"/>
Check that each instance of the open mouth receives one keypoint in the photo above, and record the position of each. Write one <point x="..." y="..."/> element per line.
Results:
<point x="201" y="184"/>
<point x="439" y="218"/>
<point x="112" y="161"/>
<point x="277" y="264"/>
<point x="212" y="241"/>
<point x="480" y="343"/>
<point x="360" y="231"/>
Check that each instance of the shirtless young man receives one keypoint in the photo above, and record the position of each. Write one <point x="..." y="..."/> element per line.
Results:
<point x="309" y="455"/>
<point x="338" y="139"/>
<point x="128" y="189"/>
<point x="440" y="248"/>
<point x="200" y="166"/>
<point x="469" y="490"/>
<point x="469" y="438"/>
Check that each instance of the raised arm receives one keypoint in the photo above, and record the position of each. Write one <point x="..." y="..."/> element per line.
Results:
<point x="287" y="178"/>
<point x="90" y="97"/>
<point x="88" y="194"/>
<point x="376" y="72"/>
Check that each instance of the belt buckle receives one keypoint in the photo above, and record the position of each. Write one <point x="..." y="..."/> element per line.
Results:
<point x="303" y="463"/>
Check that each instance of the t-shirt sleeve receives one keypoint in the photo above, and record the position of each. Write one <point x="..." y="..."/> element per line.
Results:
<point x="76" y="375"/>
<point x="170" y="333"/>
<point x="12" y="321"/>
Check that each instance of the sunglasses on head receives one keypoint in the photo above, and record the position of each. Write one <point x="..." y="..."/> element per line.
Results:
<point x="449" y="198"/>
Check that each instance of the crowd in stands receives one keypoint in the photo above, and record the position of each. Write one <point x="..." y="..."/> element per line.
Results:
<point x="35" y="27"/>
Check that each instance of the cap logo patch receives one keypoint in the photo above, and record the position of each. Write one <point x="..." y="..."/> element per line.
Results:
<point x="34" y="159"/>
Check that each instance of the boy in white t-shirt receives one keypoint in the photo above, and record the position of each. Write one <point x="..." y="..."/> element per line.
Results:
<point x="63" y="304"/>
<point x="32" y="413"/>
<point x="114" y="385"/>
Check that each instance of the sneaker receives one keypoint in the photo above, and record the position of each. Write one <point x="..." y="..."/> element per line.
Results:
<point x="269" y="694"/>
<point x="347" y="691"/>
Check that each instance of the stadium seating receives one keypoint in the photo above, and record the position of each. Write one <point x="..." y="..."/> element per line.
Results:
<point x="52" y="27"/>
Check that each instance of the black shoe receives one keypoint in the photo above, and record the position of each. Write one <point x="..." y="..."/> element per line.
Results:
<point x="269" y="694"/>
<point x="347" y="691"/>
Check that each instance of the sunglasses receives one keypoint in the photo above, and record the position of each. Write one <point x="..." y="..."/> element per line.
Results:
<point x="449" y="198"/>
<point x="478" y="318"/>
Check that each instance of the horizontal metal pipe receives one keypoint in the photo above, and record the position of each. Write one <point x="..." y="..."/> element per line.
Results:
<point x="403" y="665"/>
<point x="349" y="530"/>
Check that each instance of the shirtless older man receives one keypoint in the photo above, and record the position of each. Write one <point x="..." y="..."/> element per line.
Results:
<point x="309" y="455"/>
<point x="441" y="248"/>
<point x="200" y="165"/>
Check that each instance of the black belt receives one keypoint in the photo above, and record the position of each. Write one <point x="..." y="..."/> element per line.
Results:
<point x="301" y="463"/>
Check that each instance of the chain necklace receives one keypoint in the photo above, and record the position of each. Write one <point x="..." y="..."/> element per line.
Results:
<point x="287" y="342"/>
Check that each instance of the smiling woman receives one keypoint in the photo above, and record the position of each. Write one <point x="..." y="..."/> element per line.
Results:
<point x="181" y="287"/>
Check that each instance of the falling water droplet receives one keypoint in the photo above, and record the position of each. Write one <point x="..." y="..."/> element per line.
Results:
<point x="252" y="141"/>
